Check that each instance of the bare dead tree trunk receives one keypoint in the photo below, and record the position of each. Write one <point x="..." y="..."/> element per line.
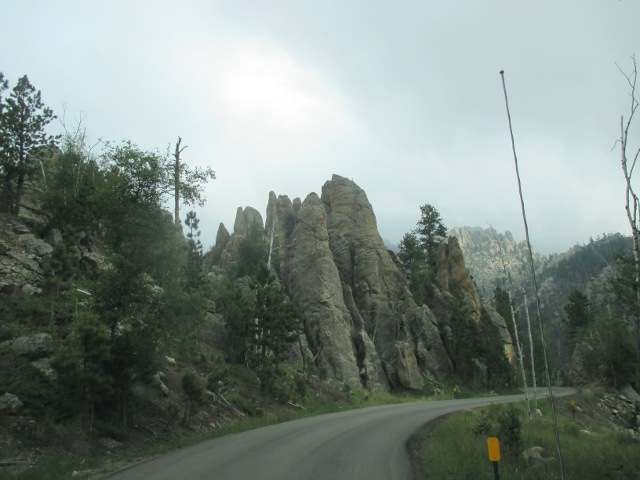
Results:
<point x="533" y="363"/>
<point x="272" y="236"/>
<point x="515" y="327"/>
<point x="176" y="181"/>
<point x="632" y="205"/>
<point x="21" y="174"/>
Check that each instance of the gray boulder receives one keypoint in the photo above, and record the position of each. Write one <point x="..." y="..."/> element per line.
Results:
<point x="44" y="366"/>
<point x="581" y="371"/>
<point x="407" y="366"/>
<point x="38" y="345"/>
<point x="34" y="245"/>
<point x="9" y="403"/>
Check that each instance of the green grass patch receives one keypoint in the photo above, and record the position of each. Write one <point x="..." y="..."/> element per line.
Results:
<point x="591" y="447"/>
<point x="52" y="467"/>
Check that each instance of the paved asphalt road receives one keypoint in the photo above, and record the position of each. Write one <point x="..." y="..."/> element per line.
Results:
<point x="368" y="444"/>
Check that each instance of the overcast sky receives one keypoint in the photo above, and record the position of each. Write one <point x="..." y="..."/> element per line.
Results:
<point x="403" y="97"/>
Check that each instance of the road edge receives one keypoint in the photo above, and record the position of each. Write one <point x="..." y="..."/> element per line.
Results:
<point x="417" y="440"/>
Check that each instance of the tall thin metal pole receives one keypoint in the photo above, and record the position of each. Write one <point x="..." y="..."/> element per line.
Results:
<point x="535" y="284"/>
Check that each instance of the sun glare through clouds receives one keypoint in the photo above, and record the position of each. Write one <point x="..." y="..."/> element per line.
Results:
<point x="268" y="101"/>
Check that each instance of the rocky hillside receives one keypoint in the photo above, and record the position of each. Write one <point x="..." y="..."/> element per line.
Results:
<point x="486" y="251"/>
<point x="361" y="323"/>
<point x="583" y="267"/>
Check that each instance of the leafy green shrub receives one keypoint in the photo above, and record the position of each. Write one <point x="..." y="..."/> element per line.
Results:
<point x="218" y="372"/>
<point x="22" y="379"/>
<point x="193" y="392"/>
<point x="191" y="387"/>
<point x="27" y="312"/>
<point x="509" y="430"/>
<point x="301" y="386"/>
<point x="483" y="427"/>
<point x="115" y="430"/>
<point x="246" y="405"/>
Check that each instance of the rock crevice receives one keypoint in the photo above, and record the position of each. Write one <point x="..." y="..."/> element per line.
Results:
<point x="361" y="322"/>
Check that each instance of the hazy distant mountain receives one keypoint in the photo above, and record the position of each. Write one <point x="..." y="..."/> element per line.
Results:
<point x="487" y="251"/>
<point x="582" y="267"/>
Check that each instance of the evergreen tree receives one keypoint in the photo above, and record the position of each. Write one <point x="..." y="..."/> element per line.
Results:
<point x="491" y="349"/>
<point x="253" y="251"/>
<point x="193" y="393"/>
<point x="503" y="307"/>
<point x="275" y="327"/>
<point x="419" y="273"/>
<point x="194" y="274"/>
<point x="262" y="322"/>
<point x="618" y="353"/>
<point x="236" y="305"/>
<point x="418" y="252"/>
<point x="82" y="366"/>
<point x="23" y="118"/>
<point x="465" y="334"/>
<point x="431" y="232"/>
<point x="579" y="314"/>
<point x="70" y="200"/>
<point x="60" y="271"/>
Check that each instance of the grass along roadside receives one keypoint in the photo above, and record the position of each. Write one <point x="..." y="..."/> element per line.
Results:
<point x="593" y="447"/>
<point x="55" y="453"/>
<point x="59" y="464"/>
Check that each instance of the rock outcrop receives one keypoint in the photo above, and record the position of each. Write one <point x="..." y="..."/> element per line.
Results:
<point x="222" y="237"/>
<point x="245" y="219"/>
<point x="9" y="403"/>
<point x="501" y="324"/>
<point x="313" y="282"/>
<point x="22" y="256"/>
<point x="361" y="323"/>
<point x="452" y="276"/>
<point x="38" y="345"/>
<point x="485" y="249"/>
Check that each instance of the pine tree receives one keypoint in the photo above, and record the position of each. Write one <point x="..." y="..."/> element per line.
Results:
<point x="194" y="251"/>
<point x="418" y="252"/>
<point x="23" y="118"/>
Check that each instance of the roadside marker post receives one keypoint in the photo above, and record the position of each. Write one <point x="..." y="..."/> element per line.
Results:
<point x="493" y="448"/>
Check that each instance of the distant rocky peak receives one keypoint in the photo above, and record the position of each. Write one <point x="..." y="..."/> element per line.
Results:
<point x="485" y="250"/>
<point x="245" y="218"/>
<point x="222" y="237"/>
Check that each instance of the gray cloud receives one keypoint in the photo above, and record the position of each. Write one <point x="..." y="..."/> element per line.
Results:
<point x="403" y="97"/>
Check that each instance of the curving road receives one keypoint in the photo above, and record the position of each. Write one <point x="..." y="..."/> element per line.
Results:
<point x="367" y="444"/>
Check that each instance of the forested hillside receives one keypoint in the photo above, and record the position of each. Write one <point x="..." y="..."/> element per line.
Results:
<point x="117" y="326"/>
<point x="597" y="275"/>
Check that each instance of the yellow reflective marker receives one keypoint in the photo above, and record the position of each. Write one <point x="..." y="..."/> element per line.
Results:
<point x="493" y="446"/>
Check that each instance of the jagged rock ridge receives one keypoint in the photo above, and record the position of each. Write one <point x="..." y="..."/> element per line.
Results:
<point x="361" y="323"/>
<point x="485" y="249"/>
